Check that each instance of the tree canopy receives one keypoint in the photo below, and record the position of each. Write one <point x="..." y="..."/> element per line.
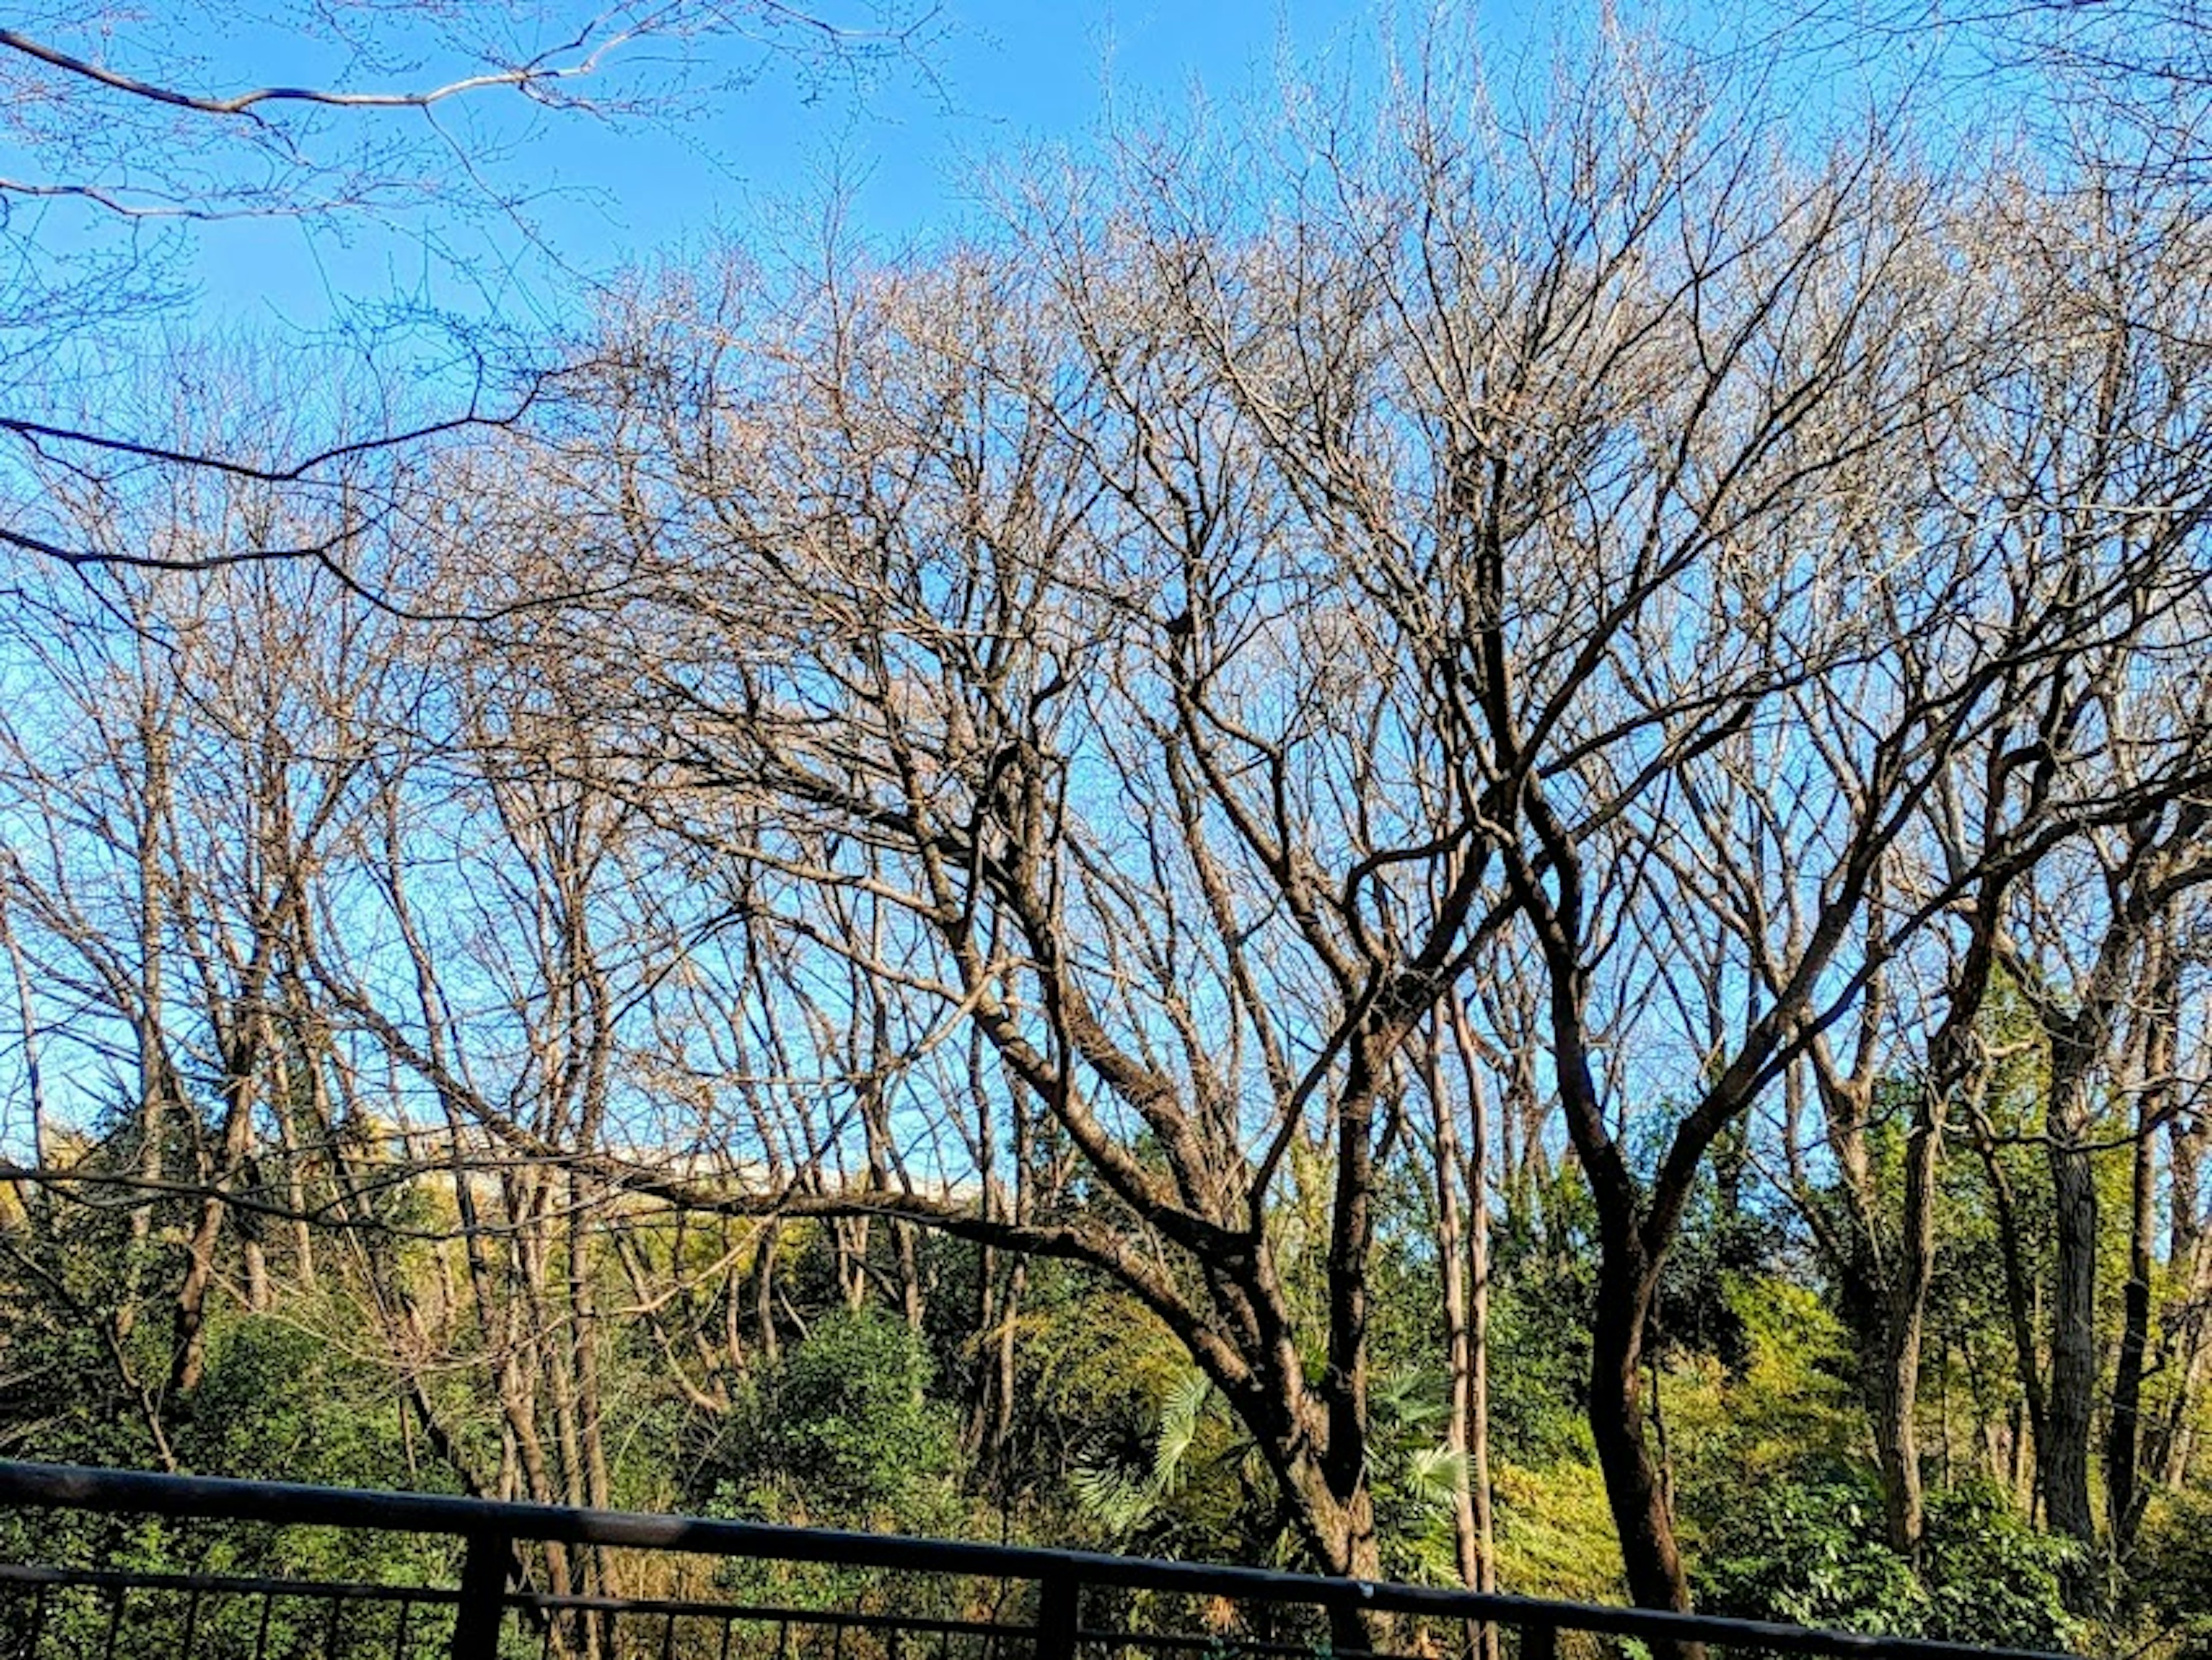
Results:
<point x="1387" y="839"/>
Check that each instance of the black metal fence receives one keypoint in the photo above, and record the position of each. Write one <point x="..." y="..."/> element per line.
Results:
<point x="527" y="1580"/>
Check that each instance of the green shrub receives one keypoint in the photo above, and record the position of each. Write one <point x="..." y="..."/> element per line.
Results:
<point x="1991" y="1577"/>
<point x="1811" y="1551"/>
<point x="844" y="1430"/>
<point x="1812" y="1548"/>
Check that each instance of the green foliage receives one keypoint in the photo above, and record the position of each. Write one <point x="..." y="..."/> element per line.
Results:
<point x="1555" y="1535"/>
<point x="1545" y="1289"/>
<point x="1991" y="1577"/>
<point x="279" y="1403"/>
<point x="1810" y="1550"/>
<point x="843" y="1431"/>
<point x="1096" y="1363"/>
<point x="1197" y="1485"/>
<point x="2173" y="1574"/>
<point x="1786" y="1401"/>
<point x="1115" y="1440"/>
<point x="1181" y="1491"/>
<point x="1414" y="1475"/>
<point x="1124" y="1499"/>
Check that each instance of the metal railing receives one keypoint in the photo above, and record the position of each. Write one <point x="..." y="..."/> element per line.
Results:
<point x="540" y="1580"/>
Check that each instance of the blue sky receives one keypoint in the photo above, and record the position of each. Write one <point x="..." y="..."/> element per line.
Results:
<point x="995" y="76"/>
<point x="1001" y="73"/>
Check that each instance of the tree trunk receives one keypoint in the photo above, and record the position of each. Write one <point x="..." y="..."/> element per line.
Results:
<point x="1626" y="1286"/>
<point x="157" y="1090"/>
<point x="2124" y="1441"/>
<point x="1452" y="1249"/>
<point x="1341" y="1531"/>
<point x="260" y="1295"/>
<point x="2123" y="1491"/>
<point x="2064" y="1448"/>
<point x="288" y="1148"/>
<point x="2020" y="1311"/>
<point x="1467" y="1335"/>
<point x="2177" y="1435"/>
<point x="1896" y="1387"/>
<point x="188" y="1356"/>
<point x="1893" y="1395"/>
<point x="771" y="1346"/>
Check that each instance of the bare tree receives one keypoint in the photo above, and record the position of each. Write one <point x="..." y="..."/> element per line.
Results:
<point x="1204" y="646"/>
<point x="180" y="792"/>
<point x="1605" y="472"/>
<point x="133" y="142"/>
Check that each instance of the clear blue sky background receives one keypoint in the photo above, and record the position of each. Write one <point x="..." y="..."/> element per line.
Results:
<point x="993" y="77"/>
<point x="1002" y="73"/>
<point x="990" y="79"/>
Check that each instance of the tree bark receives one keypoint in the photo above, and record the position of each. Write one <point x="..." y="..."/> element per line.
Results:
<point x="2157" y="1086"/>
<point x="1898" y="1386"/>
<point x="1626" y="1286"/>
<point x="2123" y="1437"/>
<point x="1453" y="1248"/>
<point x="188" y="1353"/>
<point x="2064" y="1444"/>
<point x="1470" y="1404"/>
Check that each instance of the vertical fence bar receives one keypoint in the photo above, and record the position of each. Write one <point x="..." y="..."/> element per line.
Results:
<point x="115" y="1619"/>
<point x="1055" y="1638"/>
<point x="483" y="1597"/>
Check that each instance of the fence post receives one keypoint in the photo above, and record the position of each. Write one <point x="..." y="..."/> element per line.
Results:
<point x="1055" y="1638"/>
<point x="477" y="1617"/>
<point x="1539" y="1642"/>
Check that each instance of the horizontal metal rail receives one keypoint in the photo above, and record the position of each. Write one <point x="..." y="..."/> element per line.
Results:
<point x="492" y="1528"/>
<point x="754" y="1614"/>
<point x="224" y="1584"/>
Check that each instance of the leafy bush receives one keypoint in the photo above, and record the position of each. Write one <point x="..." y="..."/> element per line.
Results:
<point x="2174" y="1573"/>
<point x="1811" y="1551"/>
<point x="844" y="1431"/>
<point x="1991" y="1577"/>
